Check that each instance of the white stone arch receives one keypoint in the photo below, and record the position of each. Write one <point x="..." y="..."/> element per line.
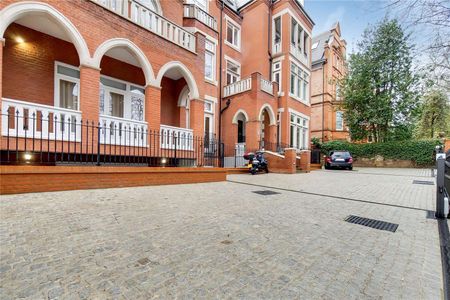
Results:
<point x="273" y="120"/>
<point x="136" y="51"/>
<point x="15" y="11"/>
<point x="236" y="115"/>
<point x="153" y="4"/>
<point x="190" y="80"/>
<point x="184" y="97"/>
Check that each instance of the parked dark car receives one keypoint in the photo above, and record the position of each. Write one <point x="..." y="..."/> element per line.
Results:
<point x="339" y="159"/>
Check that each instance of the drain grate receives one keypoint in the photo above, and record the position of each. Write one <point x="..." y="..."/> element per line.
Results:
<point x="380" y="225"/>
<point x="423" y="182"/>
<point x="431" y="215"/>
<point x="265" y="192"/>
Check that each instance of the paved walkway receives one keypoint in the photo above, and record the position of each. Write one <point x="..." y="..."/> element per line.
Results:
<point x="221" y="240"/>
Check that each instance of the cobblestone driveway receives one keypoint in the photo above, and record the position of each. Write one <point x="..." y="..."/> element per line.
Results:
<point x="220" y="240"/>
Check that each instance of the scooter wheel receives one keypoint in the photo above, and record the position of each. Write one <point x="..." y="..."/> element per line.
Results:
<point x="253" y="172"/>
<point x="267" y="170"/>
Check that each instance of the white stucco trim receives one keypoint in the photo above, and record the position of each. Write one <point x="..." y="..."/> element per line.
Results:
<point x="15" y="11"/>
<point x="190" y="79"/>
<point x="137" y="52"/>
<point x="273" y="119"/>
<point x="240" y="111"/>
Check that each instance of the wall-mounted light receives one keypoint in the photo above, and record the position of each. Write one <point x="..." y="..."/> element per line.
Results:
<point x="20" y="39"/>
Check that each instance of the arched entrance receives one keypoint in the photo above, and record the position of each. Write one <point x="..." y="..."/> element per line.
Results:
<point x="48" y="89"/>
<point x="266" y="134"/>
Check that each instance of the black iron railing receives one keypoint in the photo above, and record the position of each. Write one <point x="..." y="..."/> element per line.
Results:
<point x="51" y="140"/>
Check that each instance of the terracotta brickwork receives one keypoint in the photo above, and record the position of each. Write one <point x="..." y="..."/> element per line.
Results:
<point x="32" y="179"/>
<point x="284" y="164"/>
<point x="100" y="43"/>
<point x="327" y="70"/>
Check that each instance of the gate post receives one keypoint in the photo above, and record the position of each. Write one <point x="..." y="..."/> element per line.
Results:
<point x="440" y="180"/>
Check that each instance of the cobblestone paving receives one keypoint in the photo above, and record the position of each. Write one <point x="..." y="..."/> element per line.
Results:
<point x="220" y="240"/>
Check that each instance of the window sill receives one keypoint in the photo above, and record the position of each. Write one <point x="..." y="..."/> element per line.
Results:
<point x="299" y="99"/>
<point x="210" y="81"/>
<point x="233" y="46"/>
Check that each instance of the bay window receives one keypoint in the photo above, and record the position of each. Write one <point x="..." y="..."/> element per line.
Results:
<point x="299" y="84"/>
<point x="298" y="132"/>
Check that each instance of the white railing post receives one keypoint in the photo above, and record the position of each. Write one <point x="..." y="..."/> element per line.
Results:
<point x="184" y="138"/>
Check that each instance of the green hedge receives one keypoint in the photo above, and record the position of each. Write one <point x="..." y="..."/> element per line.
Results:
<point x="418" y="151"/>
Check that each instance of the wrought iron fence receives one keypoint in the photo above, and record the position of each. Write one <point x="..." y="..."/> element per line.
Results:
<point x="53" y="140"/>
<point x="316" y="156"/>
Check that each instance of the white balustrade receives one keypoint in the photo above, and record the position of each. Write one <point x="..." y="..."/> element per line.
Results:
<point x="150" y="20"/>
<point x="38" y="121"/>
<point x="238" y="87"/>
<point x="266" y="86"/>
<point x="176" y="138"/>
<point x="195" y="12"/>
<point x="124" y="132"/>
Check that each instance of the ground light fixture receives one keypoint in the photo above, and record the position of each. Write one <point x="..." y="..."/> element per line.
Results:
<point x="163" y="160"/>
<point x="27" y="157"/>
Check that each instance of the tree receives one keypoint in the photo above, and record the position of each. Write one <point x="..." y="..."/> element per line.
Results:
<point x="430" y="20"/>
<point x="380" y="87"/>
<point x="435" y="115"/>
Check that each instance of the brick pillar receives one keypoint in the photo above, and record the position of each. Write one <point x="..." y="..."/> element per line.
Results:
<point x="153" y="107"/>
<point x="290" y="159"/>
<point x="89" y="106"/>
<point x="305" y="161"/>
<point x="197" y="109"/>
<point x="89" y="93"/>
<point x="252" y="135"/>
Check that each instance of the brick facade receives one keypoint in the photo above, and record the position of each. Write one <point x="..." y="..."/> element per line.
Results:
<point x="101" y="43"/>
<point x="328" y="68"/>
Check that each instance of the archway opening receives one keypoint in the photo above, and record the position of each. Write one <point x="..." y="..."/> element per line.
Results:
<point x="122" y="85"/>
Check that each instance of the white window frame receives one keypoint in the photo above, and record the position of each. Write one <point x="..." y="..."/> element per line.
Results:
<point x="298" y="131"/>
<point x="274" y="48"/>
<point x="214" y="59"/>
<point x="276" y="70"/>
<point x="58" y="77"/>
<point x="126" y="99"/>
<point x="301" y="77"/>
<point x="341" y="114"/>
<point x="227" y="60"/>
<point x="236" y="41"/>
<point x="209" y="113"/>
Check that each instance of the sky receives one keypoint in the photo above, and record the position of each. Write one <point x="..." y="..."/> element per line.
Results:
<point x="353" y="16"/>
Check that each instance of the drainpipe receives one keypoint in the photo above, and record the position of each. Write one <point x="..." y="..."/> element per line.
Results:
<point x="269" y="38"/>
<point x="323" y="101"/>
<point x="220" y="80"/>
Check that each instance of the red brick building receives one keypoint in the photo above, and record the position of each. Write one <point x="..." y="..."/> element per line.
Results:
<point x="328" y="67"/>
<point x="131" y="67"/>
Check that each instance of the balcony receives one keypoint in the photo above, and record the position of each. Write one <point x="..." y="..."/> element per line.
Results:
<point x="176" y="138"/>
<point x="31" y="120"/>
<point x="192" y="11"/>
<point x="143" y="16"/>
<point x="299" y="54"/>
<point x="238" y="87"/>
<point x="245" y="85"/>
<point x="119" y="131"/>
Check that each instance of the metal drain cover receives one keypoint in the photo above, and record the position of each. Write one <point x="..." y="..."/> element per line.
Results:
<point x="265" y="192"/>
<point x="423" y="182"/>
<point x="380" y="225"/>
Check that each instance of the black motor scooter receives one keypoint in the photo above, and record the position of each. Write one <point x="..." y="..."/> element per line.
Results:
<point x="257" y="162"/>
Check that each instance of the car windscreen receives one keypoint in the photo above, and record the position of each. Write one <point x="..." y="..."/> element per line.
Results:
<point x="340" y="154"/>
